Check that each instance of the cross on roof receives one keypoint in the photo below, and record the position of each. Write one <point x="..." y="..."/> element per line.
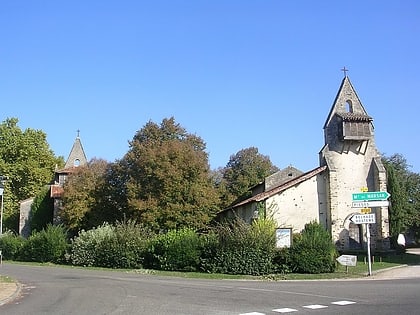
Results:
<point x="78" y="133"/>
<point x="345" y="71"/>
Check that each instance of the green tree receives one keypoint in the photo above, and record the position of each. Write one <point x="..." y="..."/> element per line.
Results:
<point x="167" y="178"/>
<point x="245" y="169"/>
<point x="404" y="187"/>
<point x="82" y="191"/>
<point x="42" y="210"/>
<point x="28" y="162"/>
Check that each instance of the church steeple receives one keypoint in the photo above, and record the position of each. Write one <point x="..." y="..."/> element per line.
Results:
<point x="77" y="156"/>
<point x="348" y="119"/>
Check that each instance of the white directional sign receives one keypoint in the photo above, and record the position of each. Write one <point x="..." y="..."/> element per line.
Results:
<point x="363" y="218"/>
<point x="370" y="204"/>
<point x="347" y="260"/>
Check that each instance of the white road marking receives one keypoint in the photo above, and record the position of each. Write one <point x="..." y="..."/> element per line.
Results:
<point x="315" y="306"/>
<point x="343" y="302"/>
<point x="285" y="310"/>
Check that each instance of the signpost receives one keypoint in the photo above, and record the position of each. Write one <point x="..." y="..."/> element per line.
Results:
<point x="363" y="218"/>
<point x="364" y="201"/>
<point x="370" y="204"/>
<point x="370" y="196"/>
<point x="347" y="260"/>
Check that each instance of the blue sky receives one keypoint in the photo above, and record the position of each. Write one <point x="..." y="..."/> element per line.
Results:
<point x="236" y="73"/>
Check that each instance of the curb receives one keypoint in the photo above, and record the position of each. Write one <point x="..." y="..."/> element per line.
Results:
<point x="13" y="294"/>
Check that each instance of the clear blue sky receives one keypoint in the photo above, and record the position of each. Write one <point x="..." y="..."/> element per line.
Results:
<point x="236" y="73"/>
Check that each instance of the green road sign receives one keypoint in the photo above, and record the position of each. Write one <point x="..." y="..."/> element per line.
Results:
<point x="370" y="196"/>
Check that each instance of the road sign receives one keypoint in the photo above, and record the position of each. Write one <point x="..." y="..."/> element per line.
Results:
<point x="370" y="196"/>
<point x="370" y="204"/>
<point x="363" y="218"/>
<point x="347" y="260"/>
<point x="366" y="210"/>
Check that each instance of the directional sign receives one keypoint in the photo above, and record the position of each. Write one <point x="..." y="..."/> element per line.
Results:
<point x="347" y="260"/>
<point x="363" y="218"/>
<point x="372" y="195"/>
<point x="370" y="204"/>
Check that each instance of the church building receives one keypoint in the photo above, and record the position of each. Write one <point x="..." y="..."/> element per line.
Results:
<point x="349" y="163"/>
<point x="77" y="157"/>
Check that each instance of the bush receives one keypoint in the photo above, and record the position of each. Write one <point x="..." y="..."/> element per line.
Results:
<point x="176" y="250"/>
<point x="86" y="246"/>
<point x="11" y="246"/>
<point x="241" y="248"/>
<point x="48" y="245"/>
<point x="119" y="246"/>
<point x="313" y="250"/>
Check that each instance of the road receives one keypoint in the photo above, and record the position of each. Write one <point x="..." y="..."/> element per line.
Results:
<point x="65" y="290"/>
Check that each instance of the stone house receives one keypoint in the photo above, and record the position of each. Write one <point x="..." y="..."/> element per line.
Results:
<point x="349" y="162"/>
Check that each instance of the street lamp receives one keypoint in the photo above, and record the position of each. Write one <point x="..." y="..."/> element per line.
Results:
<point x="2" y="181"/>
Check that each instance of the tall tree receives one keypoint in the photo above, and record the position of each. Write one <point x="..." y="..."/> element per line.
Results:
<point x="404" y="187"/>
<point x="28" y="162"/>
<point x="245" y="169"/>
<point x="168" y="182"/>
<point x="82" y="190"/>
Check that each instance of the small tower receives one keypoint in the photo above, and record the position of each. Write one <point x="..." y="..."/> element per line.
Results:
<point x="77" y="155"/>
<point x="76" y="158"/>
<point x="353" y="162"/>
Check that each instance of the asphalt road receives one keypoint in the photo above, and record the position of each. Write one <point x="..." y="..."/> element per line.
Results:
<point x="60" y="290"/>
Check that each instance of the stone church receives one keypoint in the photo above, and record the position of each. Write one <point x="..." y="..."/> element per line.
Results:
<point x="349" y="162"/>
<point x="76" y="158"/>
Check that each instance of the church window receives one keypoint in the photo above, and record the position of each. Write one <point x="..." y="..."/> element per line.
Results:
<point x="76" y="162"/>
<point x="349" y="106"/>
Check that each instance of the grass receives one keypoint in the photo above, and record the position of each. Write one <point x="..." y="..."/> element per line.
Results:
<point x="360" y="270"/>
<point x="6" y="279"/>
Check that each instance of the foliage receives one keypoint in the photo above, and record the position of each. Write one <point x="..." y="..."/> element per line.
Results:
<point x="47" y="245"/>
<point x="29" y="164"/>
<point x="42" y="210"/>
<point x="167" y="178"/>
<point x="11" y="245"/>
<point x="86" y="246"/>
<point x="122" y="245"/>
<point x="80" y="194"/>
<point x="313" y="250"/>
<point x="175" y="250"/>
<point x="241" y="248"/>
<point x="404" y="187"/>
<point x="245" y="169"/>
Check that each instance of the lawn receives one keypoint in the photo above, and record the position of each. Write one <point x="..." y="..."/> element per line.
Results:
<point x="342" y="272"/>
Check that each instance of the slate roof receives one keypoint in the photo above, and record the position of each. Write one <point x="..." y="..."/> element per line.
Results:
<point x="354" y="117"/>
<point x="267" y="194"/>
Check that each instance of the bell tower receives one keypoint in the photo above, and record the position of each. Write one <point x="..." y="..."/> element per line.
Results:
<point x="354" y="163"/>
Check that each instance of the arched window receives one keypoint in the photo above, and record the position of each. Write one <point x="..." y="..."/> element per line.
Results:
<point x="349" y="106"/>
<point x="76" y="162"/>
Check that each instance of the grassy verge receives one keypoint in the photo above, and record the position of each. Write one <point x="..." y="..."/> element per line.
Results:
<point x="360" y="270"/>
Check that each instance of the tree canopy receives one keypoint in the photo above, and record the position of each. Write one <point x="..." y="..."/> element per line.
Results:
<point x="167" y="178"/>
<point x="28" y="162"/>
<point x="404" y="187"/>
<point x="245" y="169"/>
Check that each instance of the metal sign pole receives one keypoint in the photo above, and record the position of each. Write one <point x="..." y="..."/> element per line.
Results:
<point x="368" y="248"/>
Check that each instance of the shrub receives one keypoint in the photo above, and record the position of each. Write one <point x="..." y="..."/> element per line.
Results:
<point x="120" y="246"/>
<point x="86" y="246"/>
<point x="313" y="250"/>
<point x="11" y="246"/>
<point x="47" y="245"/>
<point x="241" y="248"/>
<point x="176" y="250"/>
